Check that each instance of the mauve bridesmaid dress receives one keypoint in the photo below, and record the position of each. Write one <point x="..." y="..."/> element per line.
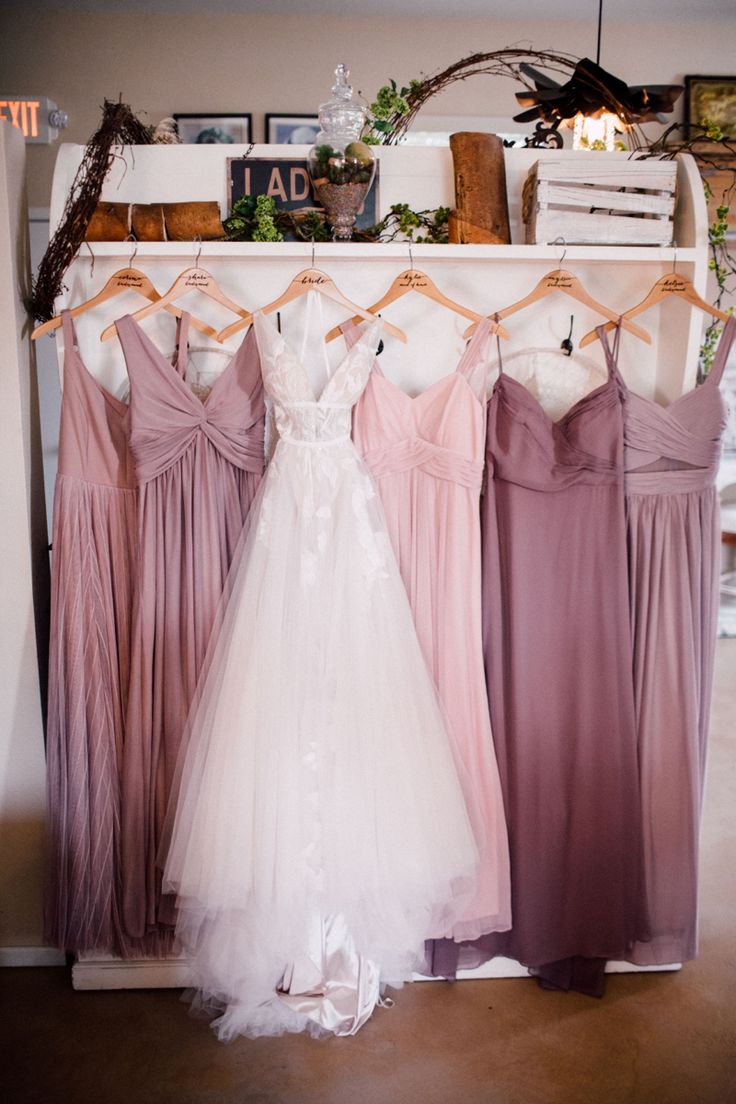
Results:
<point x="198" y="464"/>
<point x="671" y="456"/>
<point x="558" y="663"/>
<point x="94" y="561"/>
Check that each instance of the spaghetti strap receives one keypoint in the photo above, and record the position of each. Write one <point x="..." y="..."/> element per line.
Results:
<point x="69" y="331"/>
<point x="725" y="342"/>
<point x="473" y="364"/>
<point x="182" y="344"/>
<point x="497" y="320"/>
<point x="611" y="352"/>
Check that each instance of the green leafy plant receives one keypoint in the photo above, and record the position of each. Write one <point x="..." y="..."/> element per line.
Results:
<point x="257" y="218"/>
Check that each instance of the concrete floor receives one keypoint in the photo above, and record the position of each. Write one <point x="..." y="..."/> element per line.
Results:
<point x="653" y="1039"/>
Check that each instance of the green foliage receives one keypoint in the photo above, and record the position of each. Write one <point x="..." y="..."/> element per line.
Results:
<point x="257" y="218"/>
<point x="719" y="266"/>
<point x="414" y="226"/>
<point x="390" y="102"/>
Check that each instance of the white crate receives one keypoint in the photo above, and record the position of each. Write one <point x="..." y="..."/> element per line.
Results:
<point x="612" y="203"/>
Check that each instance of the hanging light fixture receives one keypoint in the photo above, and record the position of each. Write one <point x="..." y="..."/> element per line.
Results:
<point x="593" y="102"/>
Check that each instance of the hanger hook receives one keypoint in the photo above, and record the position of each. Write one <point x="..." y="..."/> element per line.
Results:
<point x="674" y="257"/>
<point x="92" y="258"/>
<point x="132" y="238"/>
<point x="198" y="240"/>
<point x="561" y="241"/>
<point x="312" y="254"/>
<point x="411" y="258"/>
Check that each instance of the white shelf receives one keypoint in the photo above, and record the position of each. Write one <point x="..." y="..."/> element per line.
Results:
<point x="380" y="251"/>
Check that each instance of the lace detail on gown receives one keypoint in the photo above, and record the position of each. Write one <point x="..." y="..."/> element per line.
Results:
<point x="320" y="833"/>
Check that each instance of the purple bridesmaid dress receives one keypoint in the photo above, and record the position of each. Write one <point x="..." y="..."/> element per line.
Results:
<point x="558" y="664"/>
<point x="671" y="457"/>
<point x="198" y="465"/>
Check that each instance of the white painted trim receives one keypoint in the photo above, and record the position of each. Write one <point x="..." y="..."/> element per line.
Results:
<point x="31" y="956"/>
<point x="104" y="972"/>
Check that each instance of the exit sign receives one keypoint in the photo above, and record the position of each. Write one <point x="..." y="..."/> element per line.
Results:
<point x="36" y="116"/>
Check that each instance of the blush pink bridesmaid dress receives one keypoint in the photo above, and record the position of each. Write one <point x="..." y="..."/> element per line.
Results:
<point x="426" y="455"/>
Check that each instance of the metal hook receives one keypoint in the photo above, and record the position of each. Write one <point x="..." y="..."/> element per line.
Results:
<point x="561" y="241"/>
<point x="132" y="238"/>
<point x="411" y="258"/>
<point x="198" y="239"/>
<point x="674" y="257"/>
<point x="312" y="254"/>
<point x="92" y="258"/>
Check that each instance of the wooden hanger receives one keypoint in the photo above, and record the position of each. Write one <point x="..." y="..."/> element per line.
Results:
<point x="191" y="279"/>
<point x="311" y="279"/>
<point x="559" y="279"/>
<point x="673" y="284"/>
<point x="413" y="279"/>
<point x="125" y="279"/>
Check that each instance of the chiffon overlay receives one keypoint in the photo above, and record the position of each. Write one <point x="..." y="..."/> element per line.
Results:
<point x="558" y="664"/>
<point x="320" y="833"/>
<point x="198" y="463"/>
<point x="94" y="561"/>
<point x="672" y="454"/>
<point x="426" y="454"/>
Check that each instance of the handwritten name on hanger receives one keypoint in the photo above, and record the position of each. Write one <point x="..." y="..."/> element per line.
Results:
<point x="674" y="283"/>
<point x="129" y="280"/>
<point x="198" y="279"/>
<point x="553" y="281"/>
<point x="313" y="280"/>
<point x="413" y="280"/>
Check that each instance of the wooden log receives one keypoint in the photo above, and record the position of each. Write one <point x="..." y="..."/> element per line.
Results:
<point x="188" y="221"/>
<point x="156" y="221"/>
<point x="148" y="222"/>
<point x="109" y="222"/>
<point x="482" y="210"/>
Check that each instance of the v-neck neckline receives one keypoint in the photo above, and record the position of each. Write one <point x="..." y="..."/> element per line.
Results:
<point x="316" y="399"/>
<point x="171" y="369"/>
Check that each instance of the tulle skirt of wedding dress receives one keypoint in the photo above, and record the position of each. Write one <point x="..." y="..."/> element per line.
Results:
<point x="319" y="833"/>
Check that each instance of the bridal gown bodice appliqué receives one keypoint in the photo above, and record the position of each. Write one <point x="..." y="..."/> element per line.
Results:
<point x="320" y="832"/>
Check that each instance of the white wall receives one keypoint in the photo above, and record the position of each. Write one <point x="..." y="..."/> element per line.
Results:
<point x="24" y="561"/>
<point x="165" y="63"/>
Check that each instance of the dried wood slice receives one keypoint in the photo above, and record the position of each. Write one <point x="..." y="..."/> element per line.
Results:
<point x="148" y="222"/>
<point x="109" y="222"/>
<point x="482" y="213"/>
<point x="188" y="221"/>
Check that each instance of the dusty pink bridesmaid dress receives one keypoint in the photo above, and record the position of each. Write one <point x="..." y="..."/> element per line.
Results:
<point x="426" y="454"/>
<point x="198" y="465"/>
<point x="94" y="560"/>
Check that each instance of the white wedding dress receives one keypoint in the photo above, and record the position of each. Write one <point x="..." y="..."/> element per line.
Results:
<point x="319" y="834"/>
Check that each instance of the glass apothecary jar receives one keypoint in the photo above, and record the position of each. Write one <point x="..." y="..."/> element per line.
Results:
<point x="341" y="166"/>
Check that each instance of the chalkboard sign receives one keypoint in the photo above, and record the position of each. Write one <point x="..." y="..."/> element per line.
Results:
<point x="287" y="180"/>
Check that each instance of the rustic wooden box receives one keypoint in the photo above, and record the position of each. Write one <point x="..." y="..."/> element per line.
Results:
<point x="606" y="203"/>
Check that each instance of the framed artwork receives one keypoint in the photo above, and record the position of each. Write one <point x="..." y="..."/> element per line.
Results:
<point x="292" y="130"/>
<point x="712" y="98"/>
<point x="225" y="129"/>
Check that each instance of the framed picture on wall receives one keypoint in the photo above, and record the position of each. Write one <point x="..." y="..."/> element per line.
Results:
<point x="292" y="130"/>
<point x="224" y="129"/>
<point x="712" y="98"/>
